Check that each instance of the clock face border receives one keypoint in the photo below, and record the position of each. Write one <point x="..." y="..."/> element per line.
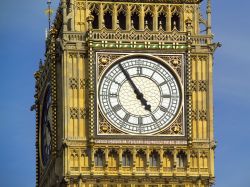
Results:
<point x="156" y="57"/>
<point x="45" y="95"/>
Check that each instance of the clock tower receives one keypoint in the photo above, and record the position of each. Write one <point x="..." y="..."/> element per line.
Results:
<point x="124" y="97"/>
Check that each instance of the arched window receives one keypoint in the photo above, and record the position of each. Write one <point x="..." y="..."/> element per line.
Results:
<point x="113" y="159"/>
<point x="175" y="21"/>
<point x="154" y="159"/>
<point x="122" y="20"/>
<point x="149" y="21"/>
<point x="126" y="158"/>
<point x="95" y="23"/>
<point x="140" y="159"/>
<point x="168" y="160"/>
<point x="162" y="21"/>
<point x="108" y="20"/>
<point x="181" y="160"/>
<point x="135" y="20"/>
<point x="99" y="158"/>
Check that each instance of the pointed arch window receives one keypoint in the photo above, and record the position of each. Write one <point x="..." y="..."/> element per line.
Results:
<point x="162" y="21"/>
<point x="95" y="23"/>
<point x="135" y="20"/>
<point x="99" y="158"/>
<point x="154" y="159"/>
<point x="175" y="21"/>
<point x="126" y="158"/>
<point x="108" y="20"/>
<point x="113" y="158"/>
<point x="149" y="21"/>
<point x="181" y="159"/>
<point x="122" y="20"/>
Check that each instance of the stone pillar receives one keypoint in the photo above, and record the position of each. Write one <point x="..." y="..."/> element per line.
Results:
<point x="114" y="17"/>
<point x="101" y="16"/>
<point x="155" y="19"/>
<point x="128" y="17"/>
<point x="141" y="19"/>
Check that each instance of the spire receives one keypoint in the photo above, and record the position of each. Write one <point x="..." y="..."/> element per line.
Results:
<point x="49" y="12"/>
<point x="209" y="12"/>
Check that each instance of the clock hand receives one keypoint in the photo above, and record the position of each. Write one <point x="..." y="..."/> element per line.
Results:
<point x="139" y="95"/>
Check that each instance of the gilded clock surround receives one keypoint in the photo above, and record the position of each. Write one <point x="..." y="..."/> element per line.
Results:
<point x="79" y="157"/>
<point x="174" y="61"/>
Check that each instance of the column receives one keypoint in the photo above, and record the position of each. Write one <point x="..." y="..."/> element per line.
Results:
<point x="141" y="18"/>
<point x="114" y="17"/>
<point x="155" y="19"/>
<point x="128" y="17"/>
<point x="101" y="16"/>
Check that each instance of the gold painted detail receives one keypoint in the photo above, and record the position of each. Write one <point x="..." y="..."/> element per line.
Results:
<point x="78" y="113"/>
<point x="106" y="127"/>
<point x="175" y="61"/>
<point x="176" y="128"/>
<point x="104" y="59"/>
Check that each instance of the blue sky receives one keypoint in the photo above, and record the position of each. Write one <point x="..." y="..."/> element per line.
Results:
<point x="22" y="33"/>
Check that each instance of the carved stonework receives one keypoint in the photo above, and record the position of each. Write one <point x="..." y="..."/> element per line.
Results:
<point x="83" y="113"/>
<point x="176" y="128"/>
<point x="104" y="59"/>
<point x="202" y="85"/>
<point x="199" y="85"/>
<point x="78" y="113"/>
<point x="74" y="113"/>
<point x="75" y="83"/>
<point x="200" y="115"/>
<point x="175" y="61"/>
<point x="84" y="83"/>
<point x="106" y="128"/>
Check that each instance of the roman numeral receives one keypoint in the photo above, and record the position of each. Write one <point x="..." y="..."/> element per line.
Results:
<point x="113" y="95"/>
<point x="166" y="96"/>
<point x="139" y="70"/>
<point x="126" y="117"/>
<point x="117" y="108"/>
<point x="163" y="109"/>
<point x="140" y="121"/>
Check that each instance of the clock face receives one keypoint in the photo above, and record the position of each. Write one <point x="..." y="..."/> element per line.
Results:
<point x="139" y="96"/>
<point x="46" y="128"/>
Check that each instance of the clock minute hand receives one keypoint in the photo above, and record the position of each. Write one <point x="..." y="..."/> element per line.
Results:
<point x="139" y="95"/>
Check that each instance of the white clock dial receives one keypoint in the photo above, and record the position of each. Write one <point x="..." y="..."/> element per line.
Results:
<point x="139" y="96"/>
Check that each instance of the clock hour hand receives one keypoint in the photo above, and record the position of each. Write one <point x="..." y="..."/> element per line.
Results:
<point x="139" y="95"/>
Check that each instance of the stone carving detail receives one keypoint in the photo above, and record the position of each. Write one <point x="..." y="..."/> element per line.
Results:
<point x="106" y="128"/>
<point x="199" y="85"/>
<point x="202" y="85"/>
<point x="84" y="83"/>
<point x="76" y="83"/>
<point x="74" y="113"/>
<point x="105" y="59"/>
<point x="176" y="128"/>
<point x="175" y="61"/>
<point x="193" y="86"/>
<point x="73" y="82"/>
<point x="78" y="113"/>
<point x="200" y="115"/>
<point x="83" y="113"/>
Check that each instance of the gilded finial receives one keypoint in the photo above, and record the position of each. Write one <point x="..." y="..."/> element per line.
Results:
<point x="49" y="12"/>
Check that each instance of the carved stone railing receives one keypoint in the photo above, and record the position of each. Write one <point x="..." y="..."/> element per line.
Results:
<point x="137" y="35"/>
<point x="74" y="36"/>
<point x="133" y="35"/>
